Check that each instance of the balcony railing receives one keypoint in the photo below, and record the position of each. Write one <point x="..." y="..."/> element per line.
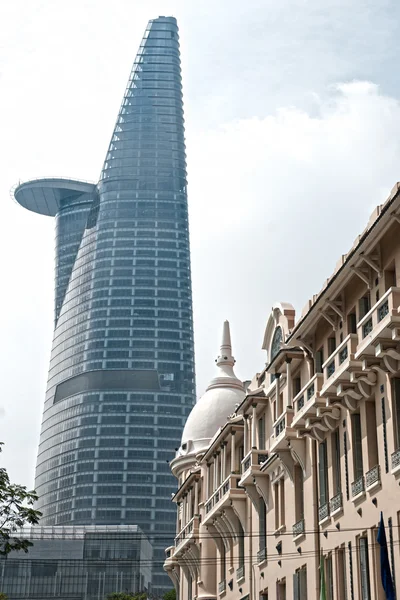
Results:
<point x="306" y="397"/>
<point x="185" y="531"/>
<point x="222" y="586"/>
<point x="261" y="555"/>
<point x="358" y="487"/>
<point x="336" y="503"/>
<point x="240" y="573"/>
<point x="396" y="459"/>
<point x="280" y="426"/>
<point x="375" y="319"/>
<point x="254" y="457"/>
<point x="298" y="528"/>
<point x="323" y="512"/>
<point x="231" y="482"/>
<point x="341" y="354"/>
<point x="373" y="476"/>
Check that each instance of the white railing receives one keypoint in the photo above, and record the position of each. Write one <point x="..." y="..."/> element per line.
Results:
<point x="185" y="531"/>
<point x="308" y="392"/>
<point x="389" y="303"/>
<point x="341" y="354"/>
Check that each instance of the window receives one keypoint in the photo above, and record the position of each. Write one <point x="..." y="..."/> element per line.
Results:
<point x="357" y="446"/>
<point x="323" y="475"/>
<point x="299" y="493"/>
<point x="372" y="436"/>
<point x="262" y="525"/>
<point x="279" y="502"/>
<point x="281" y="590"/>
<point x="364" y="305"/>
<point x="396" y="410"/>
<point x="319" y="360"/>
<point x="331" y="345"/>
<point x="341" y="571"/>
<point x="352" y="323"/>
<point x="337" y="485"/>
<point x="296" y="386"/>
<point x="365" y="587"/>
<point x="261" y="434"/>
<point x="329" y="577"/>
<point x="300" y="584"/>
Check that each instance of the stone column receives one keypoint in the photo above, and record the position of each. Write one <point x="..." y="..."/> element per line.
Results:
<point x="277" y="390"/>
<point x="254" y="427"/>
<point x="190" y="496"/>
<point x="245" y="436"/>
<point x="196" y="497"/>
<point x="233" y="451"/>
<point x="215" y="472"/>
<point x="207" y="482"/>
<point x="289" y="387"/>
<point x="223" y="464"/>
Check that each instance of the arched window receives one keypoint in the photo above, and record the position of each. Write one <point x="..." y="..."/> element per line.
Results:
<point x="276" y="342"/>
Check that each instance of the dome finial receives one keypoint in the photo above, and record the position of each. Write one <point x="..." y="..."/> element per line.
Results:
<point x="225" y="353"/>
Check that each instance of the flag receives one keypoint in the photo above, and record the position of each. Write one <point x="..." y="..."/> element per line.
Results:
<point x="386" y="576"/>
<point x="322" y="587"/>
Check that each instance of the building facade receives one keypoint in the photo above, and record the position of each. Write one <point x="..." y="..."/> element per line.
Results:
<point x="78" y="563"/>
<point x="303" y="467"/>
<point x="121" y="380"/>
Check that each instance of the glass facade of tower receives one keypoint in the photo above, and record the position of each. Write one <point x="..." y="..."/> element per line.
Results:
<point x="121" y="379"/>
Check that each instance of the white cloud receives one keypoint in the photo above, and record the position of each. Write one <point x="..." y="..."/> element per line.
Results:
<point x="275" y="201"/>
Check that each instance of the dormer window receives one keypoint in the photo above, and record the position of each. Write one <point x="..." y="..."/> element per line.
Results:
<point x="276" y="343"/>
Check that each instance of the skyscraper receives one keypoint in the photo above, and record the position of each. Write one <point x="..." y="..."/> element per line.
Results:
<point x="121" y="378"/>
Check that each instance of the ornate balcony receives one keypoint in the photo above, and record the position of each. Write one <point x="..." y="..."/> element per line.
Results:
<point x="323" y="512"/>
<point x="307" y="401"/>
<point x="253" y="460"/>
<point x="396" y="461"/>
<point x="379" y="324"/>
<point x="336" y="504"/>
<point x="227" y="494"/>
<point x="358" y="487"/>
<point x="222" y="586"/>
<point x="339" y="365"/>
<point x="187" y="534"/>
<point x="298" y="528"/>
<point x="240" y="573"/>
<point x="254" y="480"/>
<point x="261" y="555"/>
<point x="373" y="477"/>
<point x="282" y="431"/>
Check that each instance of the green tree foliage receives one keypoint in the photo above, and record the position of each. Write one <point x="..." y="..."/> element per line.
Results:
<point x="3" y="596"/>
<point x="16" y="510"/>
<point x="170" y="595"/>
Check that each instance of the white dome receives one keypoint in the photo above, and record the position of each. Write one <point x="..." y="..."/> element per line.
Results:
<point x="219" y="401"/>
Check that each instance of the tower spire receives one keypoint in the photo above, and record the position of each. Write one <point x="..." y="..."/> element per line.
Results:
<point x="225" y="376"/>
<point x="225" y="352"/>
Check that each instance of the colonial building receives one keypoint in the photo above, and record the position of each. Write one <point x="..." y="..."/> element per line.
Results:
<point x="301" y="463"/>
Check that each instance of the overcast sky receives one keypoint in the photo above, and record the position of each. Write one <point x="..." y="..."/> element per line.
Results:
<point x="293" y="136"/>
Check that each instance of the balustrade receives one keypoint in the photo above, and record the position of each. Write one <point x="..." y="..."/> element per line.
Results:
<point x="298" y="528"/>
<point x="323" y="512"/>
<point x="336" y="503"/>
<point x="372" y="477"/>
<point x="358" y="486"/>
<point x="396" y="459"/>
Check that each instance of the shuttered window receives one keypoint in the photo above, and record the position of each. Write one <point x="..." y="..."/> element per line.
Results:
<point x="323" y="474"/>
<point x="364" y="570"/>
<point x="357" y="446"/>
